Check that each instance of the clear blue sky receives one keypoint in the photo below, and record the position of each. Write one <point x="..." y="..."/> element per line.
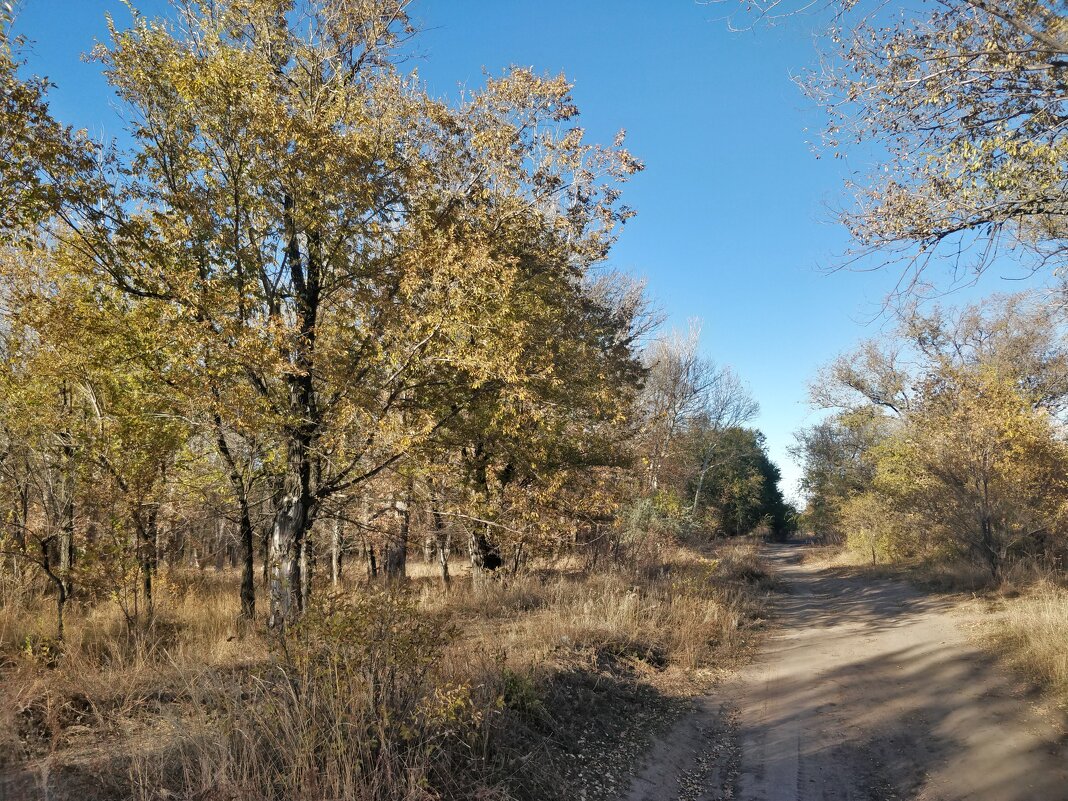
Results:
<point x="734" y="221"/>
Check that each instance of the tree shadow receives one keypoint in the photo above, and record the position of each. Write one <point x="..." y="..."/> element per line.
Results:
<point x="869" y="693"/>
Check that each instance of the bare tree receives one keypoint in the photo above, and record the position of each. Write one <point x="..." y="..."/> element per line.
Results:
<point x="686" y="393"/>
<point x="727" y="404"/>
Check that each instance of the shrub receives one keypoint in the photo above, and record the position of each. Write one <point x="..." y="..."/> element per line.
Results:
<point x="351" y="707"/>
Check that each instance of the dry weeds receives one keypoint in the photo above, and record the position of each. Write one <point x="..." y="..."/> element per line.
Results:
<point x="1031" y="631"/>
<point x="551" y="684"/>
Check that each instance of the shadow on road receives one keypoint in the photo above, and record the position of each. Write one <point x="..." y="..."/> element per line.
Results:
<point x="870" y="690"/>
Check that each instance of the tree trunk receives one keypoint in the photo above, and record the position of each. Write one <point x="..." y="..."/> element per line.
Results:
<point x="485" y="557"/>
<point x="700" y="486"/>
<point x="442" y="543"/>
<point x="61" y="590"/>
<point x="146" y="530"/>
<point x="65" y="544"/>
<point x="287" y="541"/>
<point x="294" y="514"/>
<point x="291" y="523"/>
<point x="993" y="557"/>
<point x="65" y="540"/>
<point x="396" y="556"/>
<point x="307" y="569"/>
<point x="443" y="557"/>
<point x="248" y="567"/>
<point x="336" y="537"/>
<point x="372" y="564"/>
<point x="265" y="557"/>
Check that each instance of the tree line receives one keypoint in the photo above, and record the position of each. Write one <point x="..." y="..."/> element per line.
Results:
<point x="306" y="313"/>
<point x="946" y="440"/>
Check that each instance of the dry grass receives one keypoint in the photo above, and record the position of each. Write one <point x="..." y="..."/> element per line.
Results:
<point x="946" y="575"/>
<point x="1031" y="632"/>
<point x="532" y="664"/>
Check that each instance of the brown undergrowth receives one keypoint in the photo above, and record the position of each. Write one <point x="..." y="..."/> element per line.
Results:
<point x="538" y="686"/>
<point x="1029" y="629"/>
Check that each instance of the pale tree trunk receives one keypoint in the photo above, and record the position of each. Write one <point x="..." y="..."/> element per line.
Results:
<point x="61" y="591"/>
<point x="706" y="465"/>
<point x="396" y="556"/>
<point x="336" y="544"/>
<point x="477" y="552"/>
<point x="442" y="540"/>
<point x="287" y="542"/>
<point x="65" y="539"/>
<point x="444" y="546"/>
<point x="291" y="523"/>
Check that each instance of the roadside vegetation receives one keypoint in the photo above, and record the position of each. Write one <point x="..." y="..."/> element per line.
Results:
<point x="943" y="457"/>
<point x="531" y="687"/>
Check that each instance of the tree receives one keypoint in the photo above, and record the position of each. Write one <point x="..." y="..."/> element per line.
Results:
<point x="336" y="256"/>
<point x="309" y="292"/>
<point x="741" y="486"/>
<point x="43" y="165"/>
<point x="835" y="457"/>
<point x="688" y="401"/>
<point x="947" y="434"/>
<point x="966" y="104"/>
<point x="983" y="466"/>
<point x="726" y="404"/>
<point x="674" y="392"/>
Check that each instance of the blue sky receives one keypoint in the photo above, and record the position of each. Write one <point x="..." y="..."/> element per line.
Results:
<point x="734" y="220"/>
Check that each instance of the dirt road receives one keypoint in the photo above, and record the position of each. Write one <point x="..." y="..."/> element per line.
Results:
<point x="866" y="690"/>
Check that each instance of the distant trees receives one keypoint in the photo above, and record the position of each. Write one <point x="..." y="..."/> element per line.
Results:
<point x="740" y="484"/>
<point x="834" y="455"/>
<point x="947" y="440"/>
<point x="699" y="456"/>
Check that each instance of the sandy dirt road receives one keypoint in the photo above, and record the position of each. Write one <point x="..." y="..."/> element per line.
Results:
<point x="865" y="690"/>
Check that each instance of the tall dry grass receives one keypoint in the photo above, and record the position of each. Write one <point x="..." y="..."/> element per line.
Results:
<point x="1031" y="631"/>
<point x="681" y="612"/>
<point x="406" y="693"/>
